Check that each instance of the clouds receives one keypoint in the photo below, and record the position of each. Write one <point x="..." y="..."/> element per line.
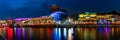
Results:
<point x="35" y="8"/>
<point x="21" y="8"/>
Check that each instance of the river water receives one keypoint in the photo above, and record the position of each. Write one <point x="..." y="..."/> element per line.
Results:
<point x="99" y="33"/>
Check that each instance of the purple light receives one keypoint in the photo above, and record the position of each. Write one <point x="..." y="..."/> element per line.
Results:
<point x="21" y="19"/>
<point x="18" y="33"/>
<point x="107" y="32"/>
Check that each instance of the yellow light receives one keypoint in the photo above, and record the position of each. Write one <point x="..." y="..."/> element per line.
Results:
<point x="85" y="15"/>
<point x="81" y="15"/>
<point x="93" y="15"/>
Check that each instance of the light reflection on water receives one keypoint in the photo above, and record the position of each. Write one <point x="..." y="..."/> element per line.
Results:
<point x="100" y="33"/>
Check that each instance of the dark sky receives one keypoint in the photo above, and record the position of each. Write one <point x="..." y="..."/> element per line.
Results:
<point x="35" y="8"/>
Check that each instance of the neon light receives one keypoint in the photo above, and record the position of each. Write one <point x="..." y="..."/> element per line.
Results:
<point x="107" y="32"/>
<point x="57" y="34"/>
<point x="100" y="29"/>
<point x="81" y="15"/>
<point x="18" y="33"/>
<point x="65" y="33"/>
<point x="56" y="15"/>
<point x="9" y="34"/>
<point x="50" y="31"/>
<point x="87" y="14"/>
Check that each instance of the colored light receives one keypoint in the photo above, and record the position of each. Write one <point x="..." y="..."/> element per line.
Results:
<point x="30" y="29"/>
<point x="57" y="34"/>
<point x="70" y="32"/>
<point x="86" y="34"/>
<point x="15" y="34"/>
<point x="81" y="15"/>
<point x="18" y="33"/>
<point x="23" y="32"/>
<point x="56" y="15"/>
<point x="93" y="34"/>
<point x="9" y="34"/>
<point x="107" y="32"/>
<point x="65" y="33"/>
<point x="49" y="33"/>
<point x="100" y="29"/>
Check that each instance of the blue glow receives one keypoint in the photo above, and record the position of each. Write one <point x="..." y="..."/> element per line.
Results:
<point x="57" y="34"/>
<point x="72" y="30"/>
<point x="65" y="33"/>
<point x="100" y="21"/>
<point x="56" y="15"/>
<point x="105" y="21"/>
<point x="100" y="29"/>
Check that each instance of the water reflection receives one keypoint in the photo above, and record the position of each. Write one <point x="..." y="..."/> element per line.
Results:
<point x="93" y="33"/>
<point x="9" y="34"/>
<point x="99" y="33"/>
<point x="57" y="34"/>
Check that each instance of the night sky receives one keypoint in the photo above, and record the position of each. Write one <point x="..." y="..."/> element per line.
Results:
<point x="36" y="8"/>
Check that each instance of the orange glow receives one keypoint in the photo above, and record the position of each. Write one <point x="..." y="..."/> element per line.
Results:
<point x="69" y="34"/>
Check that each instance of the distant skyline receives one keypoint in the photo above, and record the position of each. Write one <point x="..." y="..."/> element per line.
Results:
<point x="36" y="8"/>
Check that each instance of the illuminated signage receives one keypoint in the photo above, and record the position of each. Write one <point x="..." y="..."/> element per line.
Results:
<point x="87" y="15"/>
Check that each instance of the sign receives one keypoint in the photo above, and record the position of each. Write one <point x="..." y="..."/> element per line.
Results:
<point x="87" y="15"/>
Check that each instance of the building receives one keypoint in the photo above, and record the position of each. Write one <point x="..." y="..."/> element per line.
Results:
<point x="54" y="8"/>
<point x="38" y="21"/>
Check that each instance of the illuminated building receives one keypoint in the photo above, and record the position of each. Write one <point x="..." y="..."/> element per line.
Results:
<point x="100" y="18"/>
<point x="56" y="15"/>
<point x="69" y="21"/>
<point x="3" y="23"/>
<point x="87" y="16"/>
<point x="59" y="15"/>
<point x="54" y="8"/>
<point x="38" y="21"/>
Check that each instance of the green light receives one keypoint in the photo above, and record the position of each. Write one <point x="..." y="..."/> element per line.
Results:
<point x="86" y="12"/>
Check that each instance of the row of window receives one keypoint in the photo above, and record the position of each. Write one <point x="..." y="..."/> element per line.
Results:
<point x="38" y="22"/>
